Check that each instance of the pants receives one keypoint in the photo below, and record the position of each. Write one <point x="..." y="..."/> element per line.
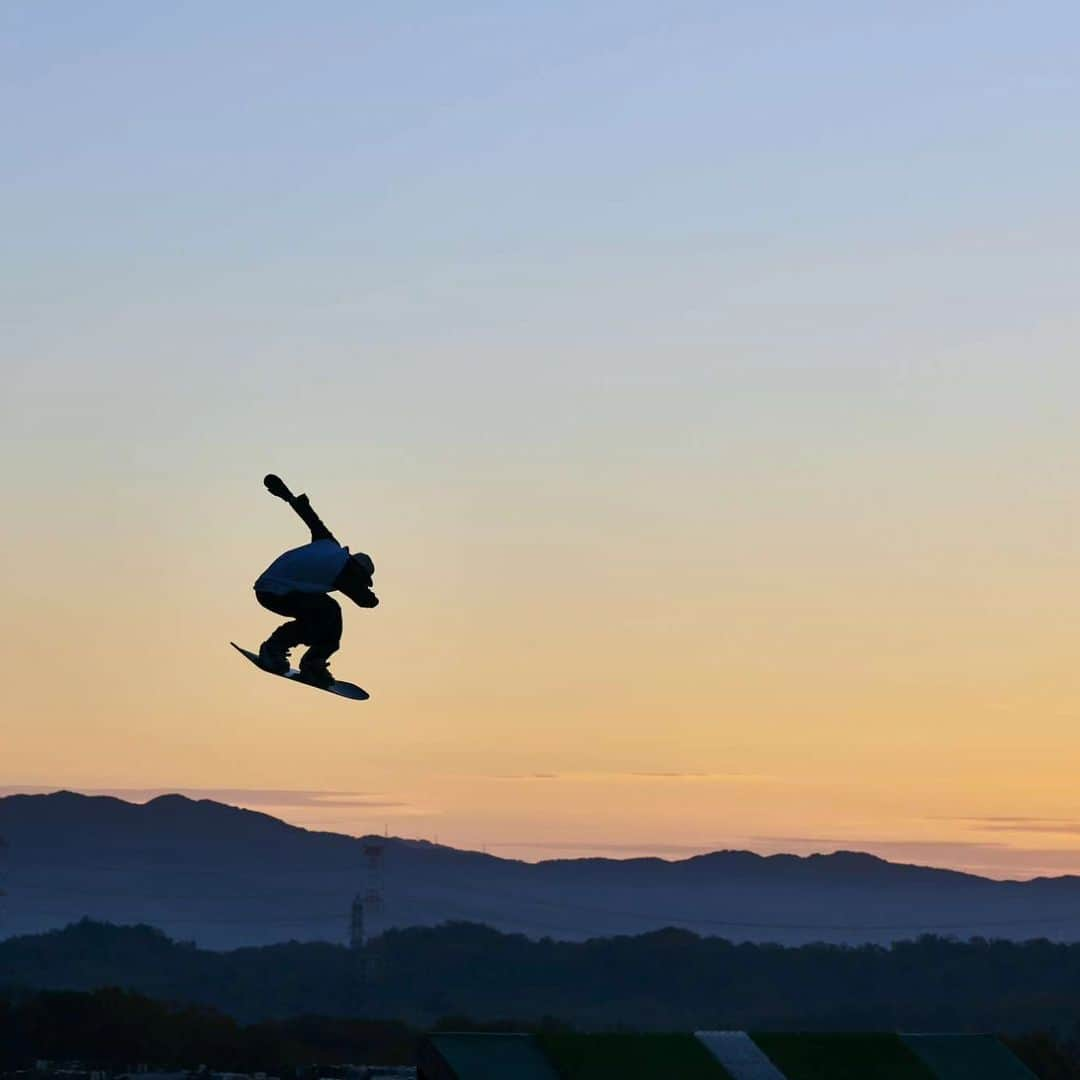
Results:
<point x="316" y="622"/>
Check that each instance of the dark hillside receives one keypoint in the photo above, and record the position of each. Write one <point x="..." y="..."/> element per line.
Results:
<point x="667" y="980"/>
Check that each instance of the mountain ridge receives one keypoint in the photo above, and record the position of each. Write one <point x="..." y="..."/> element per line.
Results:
<point x="227" y="876"/>
<point x="68" y="799"/>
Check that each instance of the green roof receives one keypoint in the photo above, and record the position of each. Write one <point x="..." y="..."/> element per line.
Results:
<point x="630" y="1057"/>
<point x="968" y="1057"/>
<point x="854" y="1056"/>
<point x="647" y="1056"/>
<point x="486" y="1056"/>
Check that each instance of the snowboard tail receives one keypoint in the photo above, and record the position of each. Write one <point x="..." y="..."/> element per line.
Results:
<point x="342" y="689"/>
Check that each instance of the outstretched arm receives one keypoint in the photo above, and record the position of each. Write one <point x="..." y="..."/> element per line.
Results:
<point x="276" y="486"/>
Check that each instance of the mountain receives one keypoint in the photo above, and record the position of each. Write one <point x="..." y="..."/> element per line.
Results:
<point x="225" y="877"/>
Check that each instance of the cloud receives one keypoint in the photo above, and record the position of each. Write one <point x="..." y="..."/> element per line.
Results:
<point x="848" y="844"/>
<point x="276" y="797"/>
<point x="1059" y="826"/>
<point x="526" y="776"/>
<point x="247" y="797"/>
<point x="640" y="850"/>
<point x="617" y="774"/>
<point x="721" y="777"/>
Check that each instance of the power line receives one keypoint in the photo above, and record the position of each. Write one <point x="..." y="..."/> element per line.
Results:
<point x="668" y="920"/>
<point x="373" y="901"/>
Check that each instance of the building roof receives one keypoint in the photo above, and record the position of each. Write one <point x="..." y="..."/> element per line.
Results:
<point x="631" y="1057"/>
<point x="484" y="1056"/>
<point x="968" y="1057"/>
<point x="717" y="1055"/>
<point x="842" y="1056"/>
<point x="740" y="1055"/>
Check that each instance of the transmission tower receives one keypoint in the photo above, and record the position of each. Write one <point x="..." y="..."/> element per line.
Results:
<point x="356" y="924"/>
<point x="367" y="906"/>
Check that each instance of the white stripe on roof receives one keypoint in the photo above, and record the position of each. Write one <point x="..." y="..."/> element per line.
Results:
<point x="739" y="1054"/>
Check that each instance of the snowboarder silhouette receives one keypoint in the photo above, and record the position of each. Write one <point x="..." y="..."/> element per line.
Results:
<point x="296" y="585"/>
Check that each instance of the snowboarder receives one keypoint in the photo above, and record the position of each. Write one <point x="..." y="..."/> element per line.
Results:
<point x="296" y="585"/>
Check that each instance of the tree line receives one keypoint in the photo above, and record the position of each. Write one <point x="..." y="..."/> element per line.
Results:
<point x="668" y="980"/>
<point x="116" y="1030"/>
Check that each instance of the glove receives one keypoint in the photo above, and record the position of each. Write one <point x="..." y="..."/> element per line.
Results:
<point x="276" y="486"/>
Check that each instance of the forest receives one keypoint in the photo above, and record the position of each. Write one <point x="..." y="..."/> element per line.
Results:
<point x="666" y="980"/>
<point x="118" y="1030"/>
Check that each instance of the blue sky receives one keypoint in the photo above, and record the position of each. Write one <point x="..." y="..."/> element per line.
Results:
<point x="712" y="362"/>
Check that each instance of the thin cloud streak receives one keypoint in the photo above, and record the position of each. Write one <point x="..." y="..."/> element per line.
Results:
<point x="640" y="850"/>
<point x="1072" y="829"/>
<point x="845" y="844"/>
<point x="617" y="775"/>
<point x="246" y="797"/>
<point x="1060" y="826"/>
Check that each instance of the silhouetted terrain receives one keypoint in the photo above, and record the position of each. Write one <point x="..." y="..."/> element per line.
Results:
<point x="117" y="1028"/>
<point x="668" y="979"/>
<point x="226" y="877"/>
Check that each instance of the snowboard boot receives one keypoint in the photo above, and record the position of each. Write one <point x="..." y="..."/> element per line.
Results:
<point x="274" y="657"/>
<point x="315" y="672"/>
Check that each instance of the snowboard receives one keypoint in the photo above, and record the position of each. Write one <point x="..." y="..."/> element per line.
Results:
<point x="342" y="689"/>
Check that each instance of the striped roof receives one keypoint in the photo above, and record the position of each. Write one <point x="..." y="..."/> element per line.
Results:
<point x="717" y="1055"/>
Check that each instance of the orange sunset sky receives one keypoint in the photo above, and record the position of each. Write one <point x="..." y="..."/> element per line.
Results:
<point x="702" y="380"/>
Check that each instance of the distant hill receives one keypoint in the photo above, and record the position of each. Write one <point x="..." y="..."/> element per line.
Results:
<point x="665" y="980"/>
<point x="225" y="877"/>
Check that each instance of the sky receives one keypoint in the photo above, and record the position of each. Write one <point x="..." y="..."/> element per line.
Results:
<point x="701" y="378"/>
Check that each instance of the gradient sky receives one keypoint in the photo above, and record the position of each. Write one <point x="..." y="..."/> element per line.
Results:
<point x="702" y="378"/>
